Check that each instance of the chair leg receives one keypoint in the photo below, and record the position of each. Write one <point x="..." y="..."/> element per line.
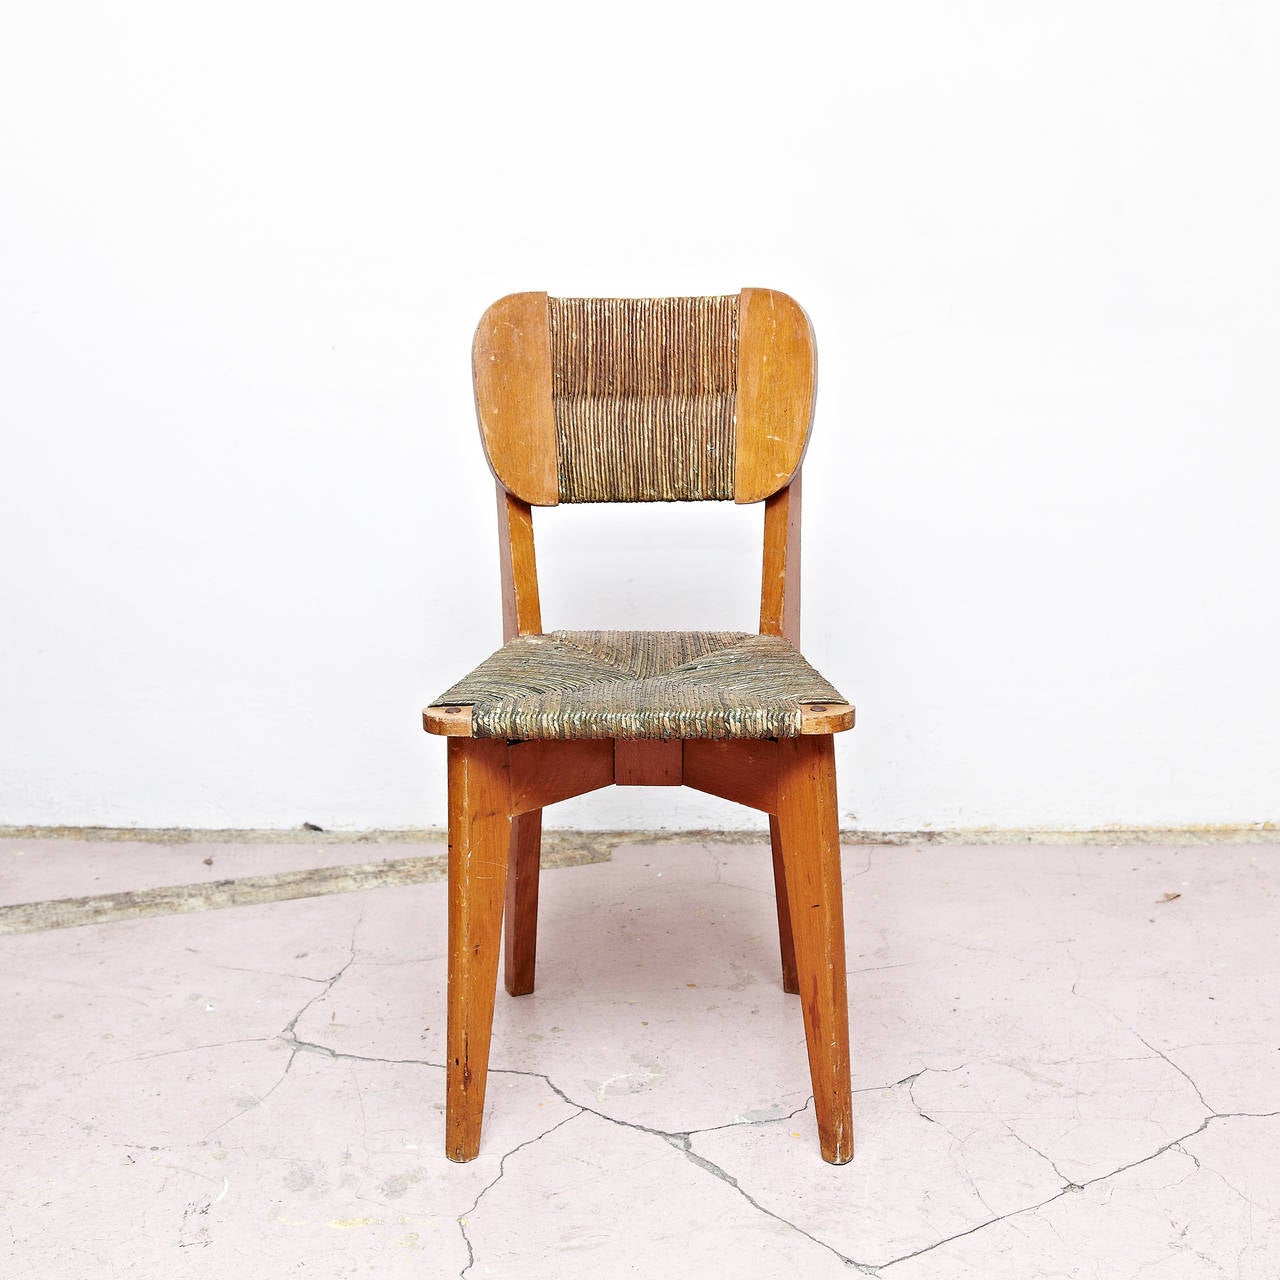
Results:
<point x="786" y="945"/>
<point x="479" y="826"/>
<point x="521" y="920"/>
<point x="808" y="828"/>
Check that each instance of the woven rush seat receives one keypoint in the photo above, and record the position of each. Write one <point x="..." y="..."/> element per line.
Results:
<point x="640" y="684"/>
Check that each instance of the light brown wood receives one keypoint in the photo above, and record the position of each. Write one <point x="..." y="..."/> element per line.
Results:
<point x="786" y="946"/>
<point x="449" y="722"/>
<point x="780" y="577"/>
<point x="520" y="921"/>
<point x="742" y="770"/>
<point x="825" y="717"/>
<point x="511" y="363"/>
<point x="479" y="831"/>
<point x="808" y="831"/>
<point x="776" y="384"/>
<point x="646" y="763"/>
<point x="543" y="772"/>
<point x="518" y="568"/>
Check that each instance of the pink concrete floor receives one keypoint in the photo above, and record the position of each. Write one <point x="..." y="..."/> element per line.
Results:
<point x="1060" y="1073"/>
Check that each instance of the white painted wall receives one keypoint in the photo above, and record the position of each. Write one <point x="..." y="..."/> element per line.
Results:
<point x="246" y="526"/>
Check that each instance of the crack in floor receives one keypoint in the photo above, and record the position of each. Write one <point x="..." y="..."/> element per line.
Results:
<point x="718" y="1171"/>
<point x="1073" y="1188"/>
<point x="287" y="1034"/>
<point x="1068" y="1184"/>
<point x="681" y="1141"/>
<point x="1159" y="1053"/>
<point x="465" y="1216"/>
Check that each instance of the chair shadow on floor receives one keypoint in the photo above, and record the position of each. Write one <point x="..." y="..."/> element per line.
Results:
<point x="653" y="971"/>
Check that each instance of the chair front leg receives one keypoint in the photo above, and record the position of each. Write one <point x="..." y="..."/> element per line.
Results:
<point x="808" y="828"/>
<point x="521" y="927"/>
<point x="479" y="837"/>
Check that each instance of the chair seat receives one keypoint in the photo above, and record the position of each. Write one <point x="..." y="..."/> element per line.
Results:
<point x="641" y="684"/>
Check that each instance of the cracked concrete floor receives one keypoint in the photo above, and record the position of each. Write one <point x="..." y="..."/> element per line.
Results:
<point x="1061" y="1072"/>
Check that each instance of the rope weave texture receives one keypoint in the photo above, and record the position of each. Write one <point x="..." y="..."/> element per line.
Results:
<point x="643" y="394"/>
<point x="640" y="684"/>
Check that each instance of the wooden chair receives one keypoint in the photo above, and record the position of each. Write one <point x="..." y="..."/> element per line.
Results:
<point x="637" y="400"/>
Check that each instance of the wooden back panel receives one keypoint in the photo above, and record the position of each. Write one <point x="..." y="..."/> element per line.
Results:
<point x="644" y="399"/>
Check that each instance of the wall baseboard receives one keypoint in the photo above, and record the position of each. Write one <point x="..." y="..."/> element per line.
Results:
<point x="573" y="838"/>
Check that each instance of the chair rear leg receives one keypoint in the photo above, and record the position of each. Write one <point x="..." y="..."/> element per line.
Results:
<point x="808" y="828"/>
<point x="785" y="942"/>
<point x="521" y="921"/>
<point x="479" y="839"/>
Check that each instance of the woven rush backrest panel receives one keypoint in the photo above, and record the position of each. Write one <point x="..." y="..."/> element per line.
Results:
<point x="643" y="395"/>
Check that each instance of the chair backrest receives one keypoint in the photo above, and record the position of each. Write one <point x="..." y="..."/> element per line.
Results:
<point x="646" y="400"/>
